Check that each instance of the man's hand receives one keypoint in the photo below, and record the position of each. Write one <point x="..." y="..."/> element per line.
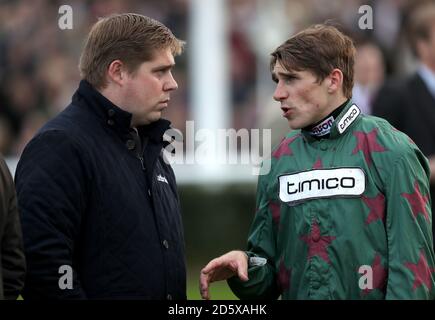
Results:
<point x="222" y="268"/>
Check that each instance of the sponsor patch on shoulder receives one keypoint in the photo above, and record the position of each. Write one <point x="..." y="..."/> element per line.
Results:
<point x="322" y="183"/>
<point x="162" y="179"/>
<point x="350" y="116"/>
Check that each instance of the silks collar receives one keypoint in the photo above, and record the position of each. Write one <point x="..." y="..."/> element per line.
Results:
<point x="335" y="125"/>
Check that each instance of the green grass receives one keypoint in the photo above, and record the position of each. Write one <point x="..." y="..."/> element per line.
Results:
<point x="218" y="290"/>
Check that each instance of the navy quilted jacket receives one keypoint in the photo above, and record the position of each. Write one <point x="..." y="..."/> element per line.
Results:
<point x="97" y="199"/>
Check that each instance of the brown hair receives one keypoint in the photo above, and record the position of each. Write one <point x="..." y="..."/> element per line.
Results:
<point x="420" y="21"/>
<point x="129" y="37"/>
<point x="319" y="49"/>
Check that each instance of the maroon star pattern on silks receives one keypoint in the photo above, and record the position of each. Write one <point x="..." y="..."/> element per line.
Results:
<point x="366" y="142"/>
<point x="376" y="206"/>
<point x="417" y="201"/>
<point x="317" y="243"/>
<point x="284" y="276"/>
<point x="422" y="272"/>
<point x="275" y="209"/>
<point x="284" y="148"/>
<point x="318" y="164"/>
<point x="379" y="275"/>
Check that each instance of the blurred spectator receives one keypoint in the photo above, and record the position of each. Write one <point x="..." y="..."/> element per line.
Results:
<point x="5" y="133"/>
<point x="242" y="65"/>
<point x="369" y="75"/>
<point x="409" y="104"/>
<point x="38" y="72"/>
<point x="12" y="260"/>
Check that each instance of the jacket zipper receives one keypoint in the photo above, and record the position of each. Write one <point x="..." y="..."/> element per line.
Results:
<point x="140" y="147"/>
<point x="141" y="162"/>
<point x="143" y="145"/>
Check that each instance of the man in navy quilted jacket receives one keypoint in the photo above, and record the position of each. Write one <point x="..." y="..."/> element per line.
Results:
<point x="99" y="205"/>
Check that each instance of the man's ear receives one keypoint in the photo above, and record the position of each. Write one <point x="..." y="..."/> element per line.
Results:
<point x="335" y="82"/>
<point x="116" y="72"/>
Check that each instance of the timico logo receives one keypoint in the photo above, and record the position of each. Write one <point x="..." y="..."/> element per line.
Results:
<point x="324" y="183"/>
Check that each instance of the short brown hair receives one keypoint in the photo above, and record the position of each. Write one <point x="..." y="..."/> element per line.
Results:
<point x="131" y="38"/>
<point x="319" y="49"/>
<point x="420" y="22"/>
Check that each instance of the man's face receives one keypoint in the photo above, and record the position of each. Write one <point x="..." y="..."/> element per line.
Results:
<point x="431" y="48"/>
<point x="147" y="91"/>
<point x="303" y="100"/>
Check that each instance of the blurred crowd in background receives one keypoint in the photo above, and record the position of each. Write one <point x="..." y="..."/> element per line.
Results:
<point x="38" y="61"/>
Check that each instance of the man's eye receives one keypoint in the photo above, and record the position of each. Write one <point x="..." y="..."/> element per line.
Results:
<point x="288" y="80"/>
<point x="162" y="72"/>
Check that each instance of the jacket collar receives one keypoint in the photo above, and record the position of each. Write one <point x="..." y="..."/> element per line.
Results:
<point x="350" y="115"/>
<point x="428" y="77"/>
<point x="115" y="117"/>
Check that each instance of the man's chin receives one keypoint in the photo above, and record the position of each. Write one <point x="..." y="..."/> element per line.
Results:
<point x="156" y="117"/>
<point x="294" y="125"/>
<point x="147" y="120"/>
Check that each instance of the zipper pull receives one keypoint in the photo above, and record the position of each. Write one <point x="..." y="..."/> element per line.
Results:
<point x="141" y="162"/>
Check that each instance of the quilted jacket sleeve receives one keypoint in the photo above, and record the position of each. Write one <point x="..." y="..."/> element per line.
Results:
<point x="51" y="189"/>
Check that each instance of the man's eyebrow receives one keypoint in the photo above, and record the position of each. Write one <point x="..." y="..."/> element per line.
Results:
<point x="287" y="74"/>
<point x="283" y="74"/>
<point x="163" y="67"/>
